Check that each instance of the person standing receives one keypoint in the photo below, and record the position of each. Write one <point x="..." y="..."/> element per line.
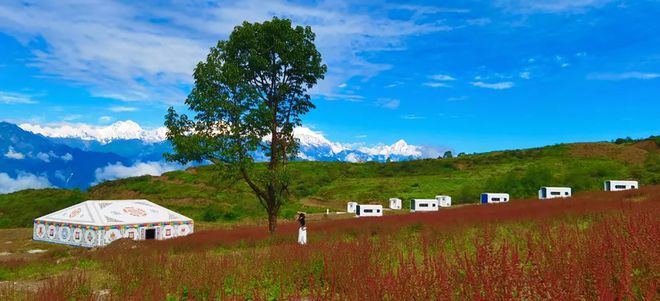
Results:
<point x="302" y="231"/>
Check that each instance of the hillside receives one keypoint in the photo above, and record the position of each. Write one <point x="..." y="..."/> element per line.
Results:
<point x="204" y="196"/>
<point x="593" y="246"/>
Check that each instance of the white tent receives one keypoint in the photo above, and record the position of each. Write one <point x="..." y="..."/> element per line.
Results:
<point x="423" y="205"/>
<point x="554" y="192"/>
<point x="97" y="223"/>
<point x="368" y="210"/>
<point x="614" y="185"/>
<point x="350" y="207"/>
<point x="395" y="203"/>
<point x="443" y="200"/>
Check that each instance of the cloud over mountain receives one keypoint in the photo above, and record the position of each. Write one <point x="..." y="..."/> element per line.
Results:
<point x="22" y="181"/>
<point x="119" y="170"/>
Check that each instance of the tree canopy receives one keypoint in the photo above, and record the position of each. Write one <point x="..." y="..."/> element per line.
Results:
<point x="248" y="96"/>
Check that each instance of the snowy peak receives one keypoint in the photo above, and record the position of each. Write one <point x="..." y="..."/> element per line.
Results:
<point x="399" y="148"/>
<point x="310" y="138"/>
<point x="121" y="130"/>
<point x="314" y="146"/>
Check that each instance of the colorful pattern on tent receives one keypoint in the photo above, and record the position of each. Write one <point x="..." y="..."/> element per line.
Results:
<point x="40" y="222"/>
<point x="98" y="223"/>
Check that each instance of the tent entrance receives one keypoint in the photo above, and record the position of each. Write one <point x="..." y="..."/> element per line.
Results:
<point x="150" y="234"/>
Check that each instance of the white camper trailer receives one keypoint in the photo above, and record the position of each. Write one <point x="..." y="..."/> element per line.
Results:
<point x="423" y="205"/>
<point x="554" y="192"/>
<point x="443" y="200"/>
<point x="368" y="210"/>
<point x="613" y="185"/>
<point x="395" y="204"/>
<point x="350" y="207"/>
<point x="96" y="223"/>
<point x="493" y="198"/>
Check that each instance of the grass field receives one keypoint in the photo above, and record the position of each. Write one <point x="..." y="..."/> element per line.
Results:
<point x="208" y="194"/>
<point x="593" y="246"/>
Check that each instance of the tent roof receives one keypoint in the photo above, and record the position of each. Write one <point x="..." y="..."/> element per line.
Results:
<point x="114" y="212"/>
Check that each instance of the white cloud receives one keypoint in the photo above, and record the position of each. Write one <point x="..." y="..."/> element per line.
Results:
<point x="442" y="77"/>
<point x="421" y="10"/>
<point x="342" y="85"/>
<point x="436" y="85"/>
<point x="551" y="6"/>
<point x="479" y="21"/>
<point x="105" y="119"/>
<point x="412" y="117"/>
<point x="11" y="98"/>
<point x="623" y="76"/>
<point x="43" y="157"/>
<point x="119" y="171"/>
<point x="525" y="75"/>
<point x="439" y="80"/>
<point x="11" y="154"/>
<point x="120" y="130"/>
<point x="494" y="86"/>
<point x="392" y="85"/>
<point x="22" y="181"/>
<point x="67" y="157"/>
<point x="115" y="50"/>
<point x="389" y="103"/>
<point x="123" y="109"/>
<point x="361" y="136"/>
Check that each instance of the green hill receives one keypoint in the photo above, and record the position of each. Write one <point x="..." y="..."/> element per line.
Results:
<point x="203" y="195"/>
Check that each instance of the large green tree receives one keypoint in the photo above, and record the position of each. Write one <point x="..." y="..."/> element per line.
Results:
<point x="249" y="95"/>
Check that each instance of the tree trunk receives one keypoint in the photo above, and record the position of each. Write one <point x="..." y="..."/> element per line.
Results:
<point x="272" y="221"/>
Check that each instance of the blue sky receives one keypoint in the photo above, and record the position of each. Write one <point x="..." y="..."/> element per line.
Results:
<point x="467" y="75"/>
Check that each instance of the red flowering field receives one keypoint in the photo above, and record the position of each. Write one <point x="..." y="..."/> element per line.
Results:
<point x="594" y="246"/>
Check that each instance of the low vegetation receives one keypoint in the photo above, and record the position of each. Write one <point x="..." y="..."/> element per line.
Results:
<point x="593" y="246"/>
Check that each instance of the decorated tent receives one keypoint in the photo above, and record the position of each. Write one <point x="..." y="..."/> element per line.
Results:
<point x="97" y="223"/>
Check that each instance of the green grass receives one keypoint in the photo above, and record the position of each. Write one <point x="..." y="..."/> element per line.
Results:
<point x="209" y="194"/>
<point x="21" y="208"/>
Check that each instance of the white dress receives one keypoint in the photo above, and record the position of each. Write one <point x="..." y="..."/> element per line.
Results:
<point x="302" y="235"/>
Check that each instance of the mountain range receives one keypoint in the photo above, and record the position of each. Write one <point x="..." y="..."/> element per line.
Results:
<point x="79" y="155"/>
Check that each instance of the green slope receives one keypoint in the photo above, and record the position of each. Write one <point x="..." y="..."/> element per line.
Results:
<point x="206" y="193"/>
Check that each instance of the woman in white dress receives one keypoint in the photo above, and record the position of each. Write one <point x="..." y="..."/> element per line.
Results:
<point x="302" y="231"/>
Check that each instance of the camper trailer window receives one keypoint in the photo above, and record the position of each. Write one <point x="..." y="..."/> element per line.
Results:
<point x="377" y="210"/>
<point x="368" y="211"/>
<point x="423" y="205"/>
<point x="555" y="193"/>
<point x="620" y="186"/>
<point x="496" y="199"/>
<point x="566" y="193"/>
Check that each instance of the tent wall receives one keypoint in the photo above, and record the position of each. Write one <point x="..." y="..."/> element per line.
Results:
<point x="96" y="236"/>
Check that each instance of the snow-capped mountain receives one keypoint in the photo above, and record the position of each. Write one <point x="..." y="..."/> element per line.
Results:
<point x="121" y="130"/>
<point x="129" y="139"/>
<point x="315" y="147"/>
<point x="80" y="155"/>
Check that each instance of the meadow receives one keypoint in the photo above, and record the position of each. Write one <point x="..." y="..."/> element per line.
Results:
<point x="211" y="194"/>
<point x="593" y="246"/>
